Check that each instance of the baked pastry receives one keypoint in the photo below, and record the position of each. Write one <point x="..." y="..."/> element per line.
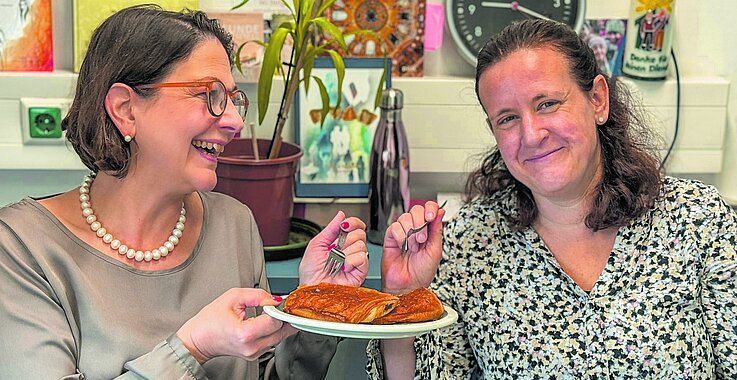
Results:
<point x="339" y="303"/>
<point x="419" y="305"/>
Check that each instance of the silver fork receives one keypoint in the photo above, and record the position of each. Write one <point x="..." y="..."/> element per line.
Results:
<point x="405" y="244"/>
<point x="336" y="257"/>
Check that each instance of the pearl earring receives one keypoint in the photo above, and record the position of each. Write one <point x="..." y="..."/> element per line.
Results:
<point x="601" y="120"/>
<point x="127" y="138"/>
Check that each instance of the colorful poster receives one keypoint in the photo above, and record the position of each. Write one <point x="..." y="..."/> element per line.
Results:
<point x="399" y="28"/>
<point x="89" y="14"/>
<point x="337" y="152"/>
<point x="25" y="35"/>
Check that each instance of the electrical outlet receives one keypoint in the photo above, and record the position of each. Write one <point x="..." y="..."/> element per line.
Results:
<point x="41" y="120"/>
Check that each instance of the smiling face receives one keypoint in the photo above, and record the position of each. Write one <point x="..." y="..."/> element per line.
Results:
<point x="544" y="124"/>
<point x="175" y="132"/>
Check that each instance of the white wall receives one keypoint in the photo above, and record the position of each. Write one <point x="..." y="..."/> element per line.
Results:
<point x="702" y="31"/>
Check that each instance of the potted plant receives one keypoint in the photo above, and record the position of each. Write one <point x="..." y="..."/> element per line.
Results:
<point x="265" y="182"/>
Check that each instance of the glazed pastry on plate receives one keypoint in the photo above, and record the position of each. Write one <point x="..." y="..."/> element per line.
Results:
<point x="419" y="305"/>
<point x="339" y="303"/>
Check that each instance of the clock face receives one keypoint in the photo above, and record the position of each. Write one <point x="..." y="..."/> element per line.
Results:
<point x="473" y="22"/>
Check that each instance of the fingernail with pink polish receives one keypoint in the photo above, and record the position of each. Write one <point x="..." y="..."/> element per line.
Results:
<point x="276" y="298"/>
<point x="345" y="225"/>
<point x="342" y="267"/>
<point x="331" y="246"/>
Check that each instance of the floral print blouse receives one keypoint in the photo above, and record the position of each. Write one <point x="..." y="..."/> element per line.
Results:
<point x="665" y="306"/>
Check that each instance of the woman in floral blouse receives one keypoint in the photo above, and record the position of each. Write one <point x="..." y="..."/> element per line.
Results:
<point x="575" y="258"/>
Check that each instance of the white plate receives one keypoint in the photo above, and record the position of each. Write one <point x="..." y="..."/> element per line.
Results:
<point x="362" y="331"/>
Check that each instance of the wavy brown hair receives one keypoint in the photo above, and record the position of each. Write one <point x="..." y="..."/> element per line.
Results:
<point x="632" y="176"/>
<point x="135" y="46"/>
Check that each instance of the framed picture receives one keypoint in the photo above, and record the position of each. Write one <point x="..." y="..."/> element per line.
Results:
<point x="606" y="38"/>
<point x="337" y="153"/>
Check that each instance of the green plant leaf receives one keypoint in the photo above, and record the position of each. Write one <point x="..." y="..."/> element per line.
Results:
<point x="340" y="70"/>
<point x="382" y="80"/>
<point x="307" y="6"/>
<point x="325" y="100"/>
<point x="291" y="10"/>
<point x="325" y="5"/>
<point x="333" y="30"/>
<point x="237" y="58"/>
<point x="296" y="3"/>
<point x="308" y="64"/>
<point x="272" y="59"/>
<point x="304" y="20"/>
<point x="242" y="3"/>
<point x="313" y="52"/>
<point x="289" y="25"/>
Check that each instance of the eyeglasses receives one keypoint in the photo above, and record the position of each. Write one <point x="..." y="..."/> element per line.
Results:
<point x="217" y="95"/>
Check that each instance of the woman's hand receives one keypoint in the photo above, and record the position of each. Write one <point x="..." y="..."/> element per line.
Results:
<point x="221" y="328"/>
<point x="355" y="269"/>
<point x="401" y="273"/>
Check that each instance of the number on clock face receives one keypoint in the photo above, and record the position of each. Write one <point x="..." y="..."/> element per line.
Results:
<point x="473" y="22"/>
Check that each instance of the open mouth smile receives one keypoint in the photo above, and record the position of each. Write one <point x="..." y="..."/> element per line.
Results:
<point x="208" y="148"/>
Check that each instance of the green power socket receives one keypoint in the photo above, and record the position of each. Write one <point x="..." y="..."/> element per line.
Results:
<point x="45" y="122"/>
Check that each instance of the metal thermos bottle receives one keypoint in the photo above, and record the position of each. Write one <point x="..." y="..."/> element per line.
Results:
<point x="389" y="183"/>
<point x="649" y="39"/>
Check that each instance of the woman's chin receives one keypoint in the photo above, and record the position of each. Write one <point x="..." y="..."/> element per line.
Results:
<point x="550" y="186"/>
<point x="206" y="182"/>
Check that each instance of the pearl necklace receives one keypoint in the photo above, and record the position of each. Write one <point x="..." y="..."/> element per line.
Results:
<point x="115" y="244"/>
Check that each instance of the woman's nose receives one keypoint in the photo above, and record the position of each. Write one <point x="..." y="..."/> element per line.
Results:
<point x="533" y="130"/>
<point x="231" y="119"/>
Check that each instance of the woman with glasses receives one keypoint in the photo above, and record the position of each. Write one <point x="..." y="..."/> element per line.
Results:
<point x="142" y="272"/>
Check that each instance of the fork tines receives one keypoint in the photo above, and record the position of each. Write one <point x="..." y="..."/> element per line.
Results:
<point x="336" y="258"/>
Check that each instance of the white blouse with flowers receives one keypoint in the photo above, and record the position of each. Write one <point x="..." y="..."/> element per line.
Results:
<point x="665" y="306"/>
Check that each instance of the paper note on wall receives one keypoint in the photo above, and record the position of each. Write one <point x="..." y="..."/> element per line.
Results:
<point x="434" y="21"/>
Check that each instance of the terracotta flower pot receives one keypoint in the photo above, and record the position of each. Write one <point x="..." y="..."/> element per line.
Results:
<point x="266" y="186"/>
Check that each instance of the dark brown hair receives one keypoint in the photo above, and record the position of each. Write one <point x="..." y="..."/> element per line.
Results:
<point x="631" y="174"/>
<point x="135" y="46"/>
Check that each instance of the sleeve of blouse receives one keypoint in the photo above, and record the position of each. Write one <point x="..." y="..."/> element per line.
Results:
<point x="443" y="354"/>
<point x="168" y="360"/>
<point x="31" y="317"/>
<point x="44" y="346"/>
<point x="718" y="232"/>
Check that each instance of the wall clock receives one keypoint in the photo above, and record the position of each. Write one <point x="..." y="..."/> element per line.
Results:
<point x="473" y="22"/>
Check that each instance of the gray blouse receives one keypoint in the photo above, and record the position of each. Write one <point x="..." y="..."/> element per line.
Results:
<point x="69" y="311"/>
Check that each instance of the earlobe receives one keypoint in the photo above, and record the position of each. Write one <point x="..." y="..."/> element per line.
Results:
<point x="118" y="104"/>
